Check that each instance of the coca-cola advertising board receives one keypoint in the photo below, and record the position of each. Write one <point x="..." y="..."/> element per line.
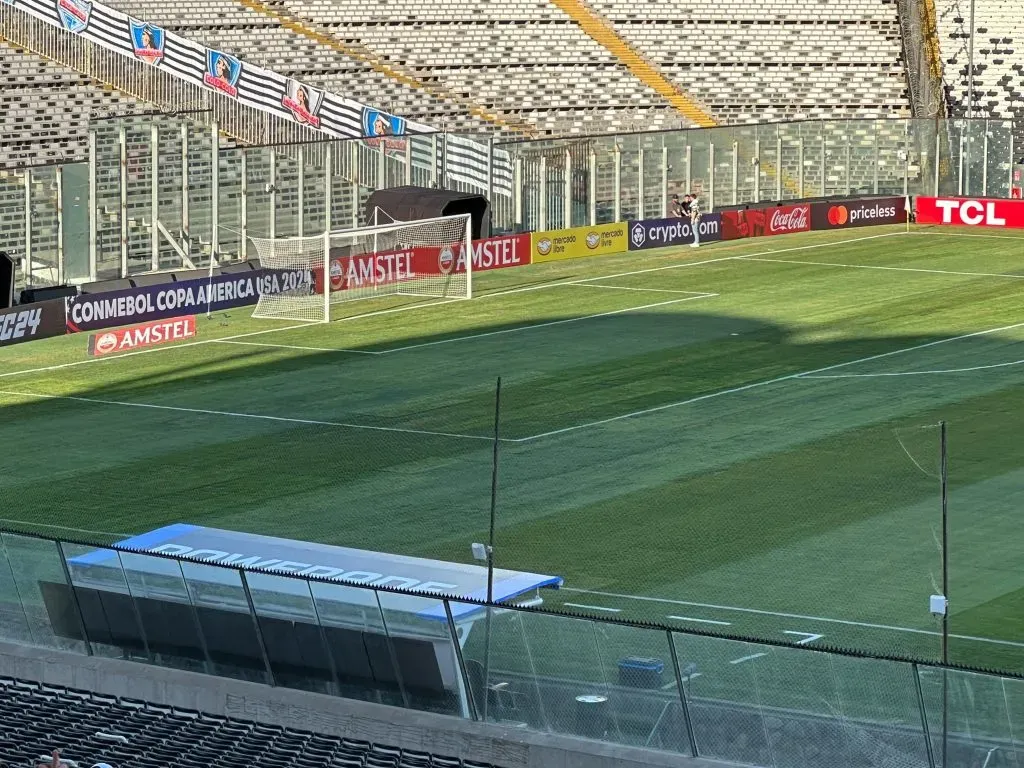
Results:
<point x="970" y="212"/>
<point x="758" y="222"/>
<point x="387" y="267"/>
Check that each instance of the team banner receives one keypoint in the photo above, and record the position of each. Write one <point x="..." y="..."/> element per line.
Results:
<point x="94" y="311"/>
<point x="138" y="336"/>
<point x="660" y="233"/>
<point x="858" y="212"/>
<point x="970" y="212"/>
<point x="573" y="243"/>
<point x="764" y="221"/>
<point x="246" y="83"/>
<point x="347" y="272"/>
<point x="28" y="322"/>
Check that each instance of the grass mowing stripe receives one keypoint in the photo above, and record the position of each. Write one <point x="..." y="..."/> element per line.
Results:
<point x="887" y="269"/>
<point x="765" y="383"/>
<point x="235" y="414"/>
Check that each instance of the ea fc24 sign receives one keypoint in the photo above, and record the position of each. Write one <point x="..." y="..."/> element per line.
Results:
<point x="145" y="335"/>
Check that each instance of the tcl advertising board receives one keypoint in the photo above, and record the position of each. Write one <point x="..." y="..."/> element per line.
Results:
<point x="367" y="269"/>
<point x="970" y="212"/>
<point x="869" y="212"/>
<point x="758" y="222"/>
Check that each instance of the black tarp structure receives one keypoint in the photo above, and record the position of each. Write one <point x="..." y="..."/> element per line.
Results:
<point x="6" y="281"/>
<point x="413" y="203"/>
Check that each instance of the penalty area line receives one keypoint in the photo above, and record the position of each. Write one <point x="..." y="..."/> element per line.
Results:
<point x="887" y="269"/>
<point x="240" y="415"/>
<point x="764" y="383"/>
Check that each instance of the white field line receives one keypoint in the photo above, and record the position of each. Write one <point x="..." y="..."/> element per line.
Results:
<point x="297" y="347"/>
<point x="687" y="264"/>
<point x="945" y="233"/>
<point x="625" y="288"/>
<point x="151" y="350"/>
<point x="428" y="305"/>
<point x="916" y="373"/>
<point x="752" y="656"/>
<point x="238" y="415"/>
<point x="702" y="621"/>
<point x="777" y="614"/>
<point x="887" y="269"/>
<point x="593" y="607"/>
<point x="535" y="326"/>
<point x="764" y="383"/>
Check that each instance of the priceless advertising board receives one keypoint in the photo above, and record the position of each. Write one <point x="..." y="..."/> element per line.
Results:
<point x="29" y="322"/>
<point x="91" y="312"/>
<point x="145" y="335"/>
<point x="970" y="212"/>
<point x="367" y="269"/>
<point x="573" y="243"/>
<point x="843" y="214"/>
<point x="761" y="222"/>
<point x="660" y="233"/>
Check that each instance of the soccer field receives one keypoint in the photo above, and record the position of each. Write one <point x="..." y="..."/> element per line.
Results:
<point x="740" y="439"/>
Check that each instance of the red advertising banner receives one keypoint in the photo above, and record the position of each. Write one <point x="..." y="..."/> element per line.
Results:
<point x="144" y="335"/>
<point x="758" y="222"/>
<point x="347" y="272"/>
<point x="970" y="212"/>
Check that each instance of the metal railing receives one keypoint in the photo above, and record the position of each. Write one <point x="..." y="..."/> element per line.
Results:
<point x="752" y="702"/>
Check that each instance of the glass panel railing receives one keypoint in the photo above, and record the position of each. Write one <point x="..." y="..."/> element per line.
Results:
<point x="295" y="642"/>
<point x="37" y="604"/>
<point x="227" y="623"/>
<point x="165" y="610"/>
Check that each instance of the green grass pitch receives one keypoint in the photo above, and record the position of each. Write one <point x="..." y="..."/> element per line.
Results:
<point x="740" y="439"/>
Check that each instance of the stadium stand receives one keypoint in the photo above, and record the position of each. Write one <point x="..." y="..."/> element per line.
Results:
<point x="91" y="728"/>
<point x="45" y="108"/>
<point x="775" y="60"/>
<point x="998" y="55"/>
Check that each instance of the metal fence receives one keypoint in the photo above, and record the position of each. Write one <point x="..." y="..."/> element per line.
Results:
<point x="644" y="686"/>
<point x="162" y="191"/>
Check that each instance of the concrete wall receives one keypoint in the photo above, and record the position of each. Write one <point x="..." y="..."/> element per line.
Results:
<point x="450" y="736"/>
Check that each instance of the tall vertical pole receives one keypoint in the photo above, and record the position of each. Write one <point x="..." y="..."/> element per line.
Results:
<point x="970" y="79"/>
<point x="122" y="177"/>
<point x="154" y="195"/>
<point x="757" y="171"/>
<point x="325" y="266"/>
<point x="243" y="214"/>
<point x="735" y="172"/>
<point x="592" y="189"/>
<point x="543" y="194"/>
<point x="617" y="203"/>
<point x="711" y="176"/>
<point x="642" y="154"/>
<point x="214" y="191"/>
<point x="93" y="205"/>
<point x="664" y="182"/>
<point x="185" y="225"/>
<point x="28" y="228"/>
<point x="938" y="157"/>
<point x="567" y="201"/>
<point x="59" y="180"/>
<point x="490" y="543"/>
<point x="300" y="188"/>
<point x="984" y="160"/>
<point x="778" y="166"/>
<point x="944" y="483"/>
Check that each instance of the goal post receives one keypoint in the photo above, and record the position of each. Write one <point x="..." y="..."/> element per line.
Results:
<point x="427" y="257"/>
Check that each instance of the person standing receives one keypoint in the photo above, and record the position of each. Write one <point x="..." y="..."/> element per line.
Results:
<point x="695" y="216"/>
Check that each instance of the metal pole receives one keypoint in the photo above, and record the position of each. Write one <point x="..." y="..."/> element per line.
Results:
<point x="735" y="171"/>
<point x="906" y="158"/>
<point x="93" y="224"/>
<point x="664" y="182"/>
<point x="543" y="193"/>
<point x="214" y="192"/>
<point x="943" y="479"/>
<point x="592" y="188"/>
<point x="984" y="161"/>
<point x="711" y="176"/>
<point x="273" y="194"/>
<point x="960" y="165"/>
<point x="408" y="168"/>
<point x="757" y="170"/>
<point x="970" y="92"/>
<point x="924" y="716"/>
<point x="300" y="190"/>
<point x="243" y="247"/>
<point x="689" y="170"/>
<point x="567" y="191"/>
<point x="185" y="225"/>
<point x="778" y="167"/>
<point x="59" y="180"/>
<point x="617" y="204"/>
<point x="642" y="153"/>
<point x="490" y="542"/>
<point x="938" y="155"/>
<point x="800" y="170"/>
<point x="823" y="160"/>
<point x="28" y="228"/>
<point x="875" y="163"/>
<point x="123" y="183"/>
<point x="490" y="168"/>
<point x="154" y="195"/>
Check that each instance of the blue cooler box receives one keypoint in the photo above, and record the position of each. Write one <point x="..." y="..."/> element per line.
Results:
<point x="639" y="672"/>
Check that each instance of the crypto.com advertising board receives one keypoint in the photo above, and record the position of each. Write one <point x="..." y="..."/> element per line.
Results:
<point x="970" y="212"/>
<point x="661" y="233"/>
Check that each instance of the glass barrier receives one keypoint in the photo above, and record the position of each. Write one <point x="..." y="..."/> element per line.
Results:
<point x="753" y="703"/>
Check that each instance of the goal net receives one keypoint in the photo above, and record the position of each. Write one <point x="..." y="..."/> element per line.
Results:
<point x="429" y="257"/>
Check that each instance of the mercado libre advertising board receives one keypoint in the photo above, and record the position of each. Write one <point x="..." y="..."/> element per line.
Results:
<point x="573" y="243"/>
